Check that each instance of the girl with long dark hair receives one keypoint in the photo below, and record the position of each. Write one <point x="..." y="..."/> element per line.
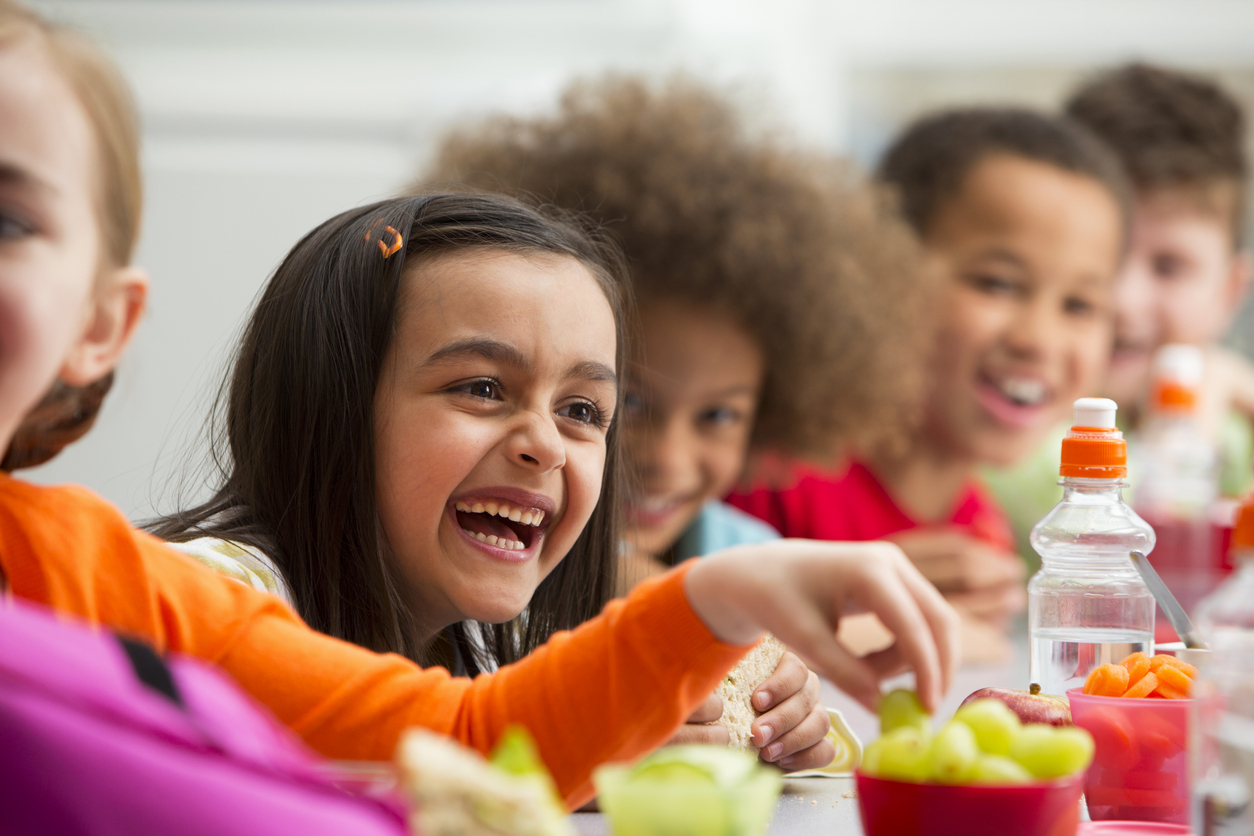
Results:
<point x="320" y="470"/>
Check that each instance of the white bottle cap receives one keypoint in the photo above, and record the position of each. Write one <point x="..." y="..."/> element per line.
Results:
<point x="1180" y="363"/>
<point x="1098" y="413"/>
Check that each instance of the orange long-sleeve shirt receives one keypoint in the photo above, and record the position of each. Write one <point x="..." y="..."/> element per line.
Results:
<point x="613" y="689"/>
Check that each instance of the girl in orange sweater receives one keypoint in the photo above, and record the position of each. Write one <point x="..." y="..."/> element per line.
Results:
<point x="535" y="431"/>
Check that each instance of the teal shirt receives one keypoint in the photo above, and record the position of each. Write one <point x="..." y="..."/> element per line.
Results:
<point x="720" y="526"/>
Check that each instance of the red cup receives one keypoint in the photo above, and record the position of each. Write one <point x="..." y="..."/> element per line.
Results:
<point x="898" y="808"/>
<point x="1140" y="768"/>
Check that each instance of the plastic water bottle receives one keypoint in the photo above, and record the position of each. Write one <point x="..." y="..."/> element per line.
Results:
<point x="1177" y="478"/>
<point x="1223" y="697"/>
<point x="1088" y="606"/>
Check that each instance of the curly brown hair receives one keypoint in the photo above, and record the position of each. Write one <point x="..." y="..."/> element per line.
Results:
<point x="1173" y="132"/>
<point x="806" y="256"/>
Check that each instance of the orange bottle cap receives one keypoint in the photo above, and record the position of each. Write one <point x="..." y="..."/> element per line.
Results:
<point x="1243" y="532"/>
<point x="1178" y="371"/>
<point x="1094" y="448"/>
<point x="1173" y="396"/>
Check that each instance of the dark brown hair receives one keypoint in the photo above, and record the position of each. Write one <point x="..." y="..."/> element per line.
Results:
<point x="1172" y="131"/>
<point x="930" y="160"/>
<point x="66" y="413"/>
<point x="792" y="246"/>
<point x="295" y="447"/>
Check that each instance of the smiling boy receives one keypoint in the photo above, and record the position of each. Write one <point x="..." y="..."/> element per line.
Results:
<point x="1021" y="217"/>
<point x="1181" y="139"/>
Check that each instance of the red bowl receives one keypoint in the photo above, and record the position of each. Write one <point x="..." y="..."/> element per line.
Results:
<point x="1140" y="767"/>
<point x="897" y="808"/>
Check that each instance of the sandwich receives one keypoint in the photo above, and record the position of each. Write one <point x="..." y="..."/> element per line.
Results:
<point x="738" y="687"/>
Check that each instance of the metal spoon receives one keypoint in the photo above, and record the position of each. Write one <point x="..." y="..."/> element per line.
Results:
<point x="1175" y="613"/>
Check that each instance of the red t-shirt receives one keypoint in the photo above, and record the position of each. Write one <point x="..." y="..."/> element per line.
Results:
<point x="853" y="505"/>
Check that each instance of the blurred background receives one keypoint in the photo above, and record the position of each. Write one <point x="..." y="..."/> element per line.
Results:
<point x="264" y="118"/>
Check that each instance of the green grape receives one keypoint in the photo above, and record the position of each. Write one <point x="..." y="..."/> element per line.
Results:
<point x="1049" y="752"/>
<point x="996" y="769"/>
<point x="952" y="754"/>
<point x="901" y="708"/>
<point x="871" y="758"/>
<point x="994" y="724"/>
<point x="903" y="755"/>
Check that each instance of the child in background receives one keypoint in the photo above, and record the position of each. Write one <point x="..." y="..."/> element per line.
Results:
<point x="70" y="303"/>
<point x="1181" y="140"/>
<point x="1021" y="219"/>
<point x="758" y="271"/>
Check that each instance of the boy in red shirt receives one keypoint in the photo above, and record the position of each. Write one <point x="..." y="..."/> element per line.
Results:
<point x="1022" y="220"/>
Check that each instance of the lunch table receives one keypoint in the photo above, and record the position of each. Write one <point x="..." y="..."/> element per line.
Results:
<point x="829" y="806"/>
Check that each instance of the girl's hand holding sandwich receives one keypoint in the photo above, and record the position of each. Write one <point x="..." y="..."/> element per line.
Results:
<point x="799" y="590"/>
<point x="792" y="730"/>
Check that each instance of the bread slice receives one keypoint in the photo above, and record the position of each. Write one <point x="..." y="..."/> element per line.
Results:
<point x="456" y="792"/>
<point x="738" y="686"/>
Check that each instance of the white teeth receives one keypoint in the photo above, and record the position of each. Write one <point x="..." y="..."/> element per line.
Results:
<point x="1023" y="391"/>
<point x="493" y="540"/>
<point x="655" y="504"/>
<point x="527" y="516"/>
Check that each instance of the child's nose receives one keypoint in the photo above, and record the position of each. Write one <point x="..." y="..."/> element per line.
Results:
<point x="1033" y="330"/>
<point x="670" y="452"/>
<point x="538" y="444"/>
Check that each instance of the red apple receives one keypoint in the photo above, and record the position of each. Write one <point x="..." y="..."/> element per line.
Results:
<point x="1031" y="706"/>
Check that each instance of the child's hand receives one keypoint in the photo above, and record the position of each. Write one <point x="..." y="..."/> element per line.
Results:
<point x="800" y="589"/>
<point x="701" y="728"/>
<point x="792" y="731"/>
<point x="977" y="578"/>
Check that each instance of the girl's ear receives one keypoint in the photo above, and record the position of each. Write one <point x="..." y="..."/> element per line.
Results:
<point x="112" y="318"/>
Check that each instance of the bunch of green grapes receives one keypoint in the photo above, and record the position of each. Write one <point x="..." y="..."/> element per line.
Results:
<point x="984" y="743"/>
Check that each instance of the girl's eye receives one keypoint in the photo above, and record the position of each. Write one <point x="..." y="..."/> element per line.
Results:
<point x="484" y="388"/>
<point x="584" y="413"/>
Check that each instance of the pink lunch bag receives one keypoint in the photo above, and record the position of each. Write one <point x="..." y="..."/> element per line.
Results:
<point x="100" y="735"/>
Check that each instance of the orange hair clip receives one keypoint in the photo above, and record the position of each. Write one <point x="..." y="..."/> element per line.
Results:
<point x="387" y="250"/>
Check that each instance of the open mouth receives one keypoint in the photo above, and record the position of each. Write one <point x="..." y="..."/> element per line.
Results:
<point x="1022" y="391"/>
<point x="504" y="525"/>
<point x="650" y="511"/>
<point x="1016" y="400"/>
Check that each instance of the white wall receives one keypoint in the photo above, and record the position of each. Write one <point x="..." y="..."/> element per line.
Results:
<point x="265" y="118"/>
